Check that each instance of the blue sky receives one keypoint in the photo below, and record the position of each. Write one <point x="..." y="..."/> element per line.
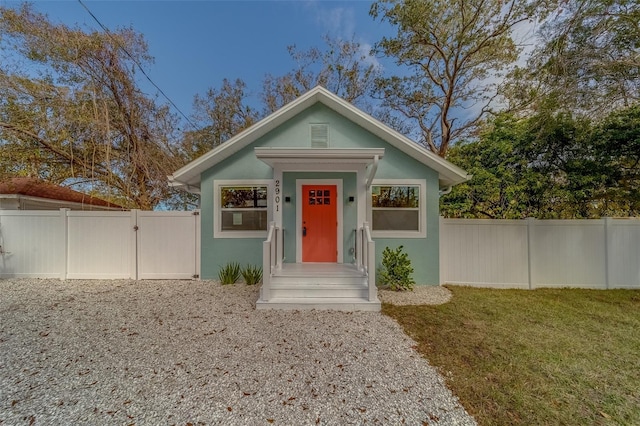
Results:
<point x="196" y="44"/>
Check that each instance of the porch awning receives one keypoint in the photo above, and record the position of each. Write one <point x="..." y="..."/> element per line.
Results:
<point x="318" y="159"/>
<point x="302" y="156"/>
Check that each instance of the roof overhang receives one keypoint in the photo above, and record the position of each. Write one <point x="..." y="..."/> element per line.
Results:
<point x="41" y="203"/>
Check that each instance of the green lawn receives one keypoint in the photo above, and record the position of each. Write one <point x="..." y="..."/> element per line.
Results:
<point x="545" y="356"/>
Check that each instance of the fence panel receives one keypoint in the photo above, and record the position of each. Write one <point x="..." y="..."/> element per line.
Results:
<point x="624" y="253"/>
<point x="602" y="253"/>
<point x="484" y="252"/>
<point x="32" y="244"/>
<point x="101" y="245"/>
<point x="568" y="253"/>
<point x="167" y="245"/>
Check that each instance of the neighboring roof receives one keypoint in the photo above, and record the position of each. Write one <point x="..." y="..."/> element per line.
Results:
<point x="31" y="187"/>
<point x="189" y="175"/>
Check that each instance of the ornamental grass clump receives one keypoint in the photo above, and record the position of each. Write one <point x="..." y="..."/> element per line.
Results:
<point x="396" y="270"/>
<point x="229" y="274"/>
<point x="252" y="274"/>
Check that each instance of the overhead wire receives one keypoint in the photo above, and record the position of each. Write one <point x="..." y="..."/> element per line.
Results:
<point x="135" y="61"/>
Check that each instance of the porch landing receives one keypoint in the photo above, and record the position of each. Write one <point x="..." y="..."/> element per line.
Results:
<point x="305" y="286"/>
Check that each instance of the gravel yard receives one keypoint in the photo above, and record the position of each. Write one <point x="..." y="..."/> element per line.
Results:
<point x="195" y="352"/>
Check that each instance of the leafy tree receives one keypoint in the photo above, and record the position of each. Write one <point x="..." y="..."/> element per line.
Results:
<point x="550" y="165"/>
<point x="503" y="185"/>
<point x="588" y="61"/>
<point x="453" y="52"/>
<point x="617" y="140"/>
<point x="345" y="68"/>
<point x="542" y="167"/>
<point x="220" y="114"/>
<point x="72" y="111"/>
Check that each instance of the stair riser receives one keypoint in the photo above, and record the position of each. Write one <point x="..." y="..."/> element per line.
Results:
<point x="340" y="306"/>
<point x="319" y="280"/>
<point x="318" y="292"/>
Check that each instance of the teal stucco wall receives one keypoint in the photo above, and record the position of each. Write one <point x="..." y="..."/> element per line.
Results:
<point x="424" y="252"/>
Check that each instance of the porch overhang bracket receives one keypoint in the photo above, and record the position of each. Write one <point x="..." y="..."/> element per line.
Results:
<point x="372" y="171"/>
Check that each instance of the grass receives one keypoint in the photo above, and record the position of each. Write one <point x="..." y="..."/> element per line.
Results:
<point x="547" y="356"/>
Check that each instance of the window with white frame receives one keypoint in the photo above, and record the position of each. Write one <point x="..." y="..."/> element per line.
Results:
<point x="241" y="208"/>
<point x="397" y="208"/>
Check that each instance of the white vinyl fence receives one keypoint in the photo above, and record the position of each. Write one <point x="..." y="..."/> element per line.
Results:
<point x="99" y="244"/>
<point x="602" y="253"/>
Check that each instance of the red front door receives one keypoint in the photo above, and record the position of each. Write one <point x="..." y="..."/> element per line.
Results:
<point x="319" y="223"/>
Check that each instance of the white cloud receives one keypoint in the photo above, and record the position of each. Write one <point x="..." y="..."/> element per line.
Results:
<point x="369" y="59"/>
<point x="340" y="23"/>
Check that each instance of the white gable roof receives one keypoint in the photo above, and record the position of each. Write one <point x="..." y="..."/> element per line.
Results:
<point x="189" y="175"/>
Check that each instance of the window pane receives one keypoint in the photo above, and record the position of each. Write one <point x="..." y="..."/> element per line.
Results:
<point x="395" y="196"/>
<point x="396" y="220"/>
<point x="243" y="197"/>
<point x="244" y="220"/>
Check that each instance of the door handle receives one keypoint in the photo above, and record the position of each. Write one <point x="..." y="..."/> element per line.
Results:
<point x="304" y="231"/>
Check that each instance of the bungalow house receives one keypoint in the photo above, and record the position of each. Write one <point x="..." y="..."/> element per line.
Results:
<point x="314" y="193"/>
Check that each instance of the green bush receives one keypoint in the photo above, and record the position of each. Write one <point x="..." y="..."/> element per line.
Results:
<point x="230" y="273"/>
<point x="252" y="274"/>
<point x="396" y="270"/>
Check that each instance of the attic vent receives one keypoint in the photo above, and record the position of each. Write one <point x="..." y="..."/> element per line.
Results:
<point x="319" y="135"/>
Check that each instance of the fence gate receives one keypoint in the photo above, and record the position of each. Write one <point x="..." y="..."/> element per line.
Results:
<point x="99" y="244"/>
<point x="167" y="245"/>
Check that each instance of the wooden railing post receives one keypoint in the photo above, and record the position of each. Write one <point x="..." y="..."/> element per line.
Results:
<point x="266" y="271"/>
<point x="279" y="246"/>
<point x="358" y="249"/>
<point x="370" y="259"/>
<point x="268" y="258"/>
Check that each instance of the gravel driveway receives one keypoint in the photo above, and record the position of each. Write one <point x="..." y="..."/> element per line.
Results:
<point x="195" y="352"/>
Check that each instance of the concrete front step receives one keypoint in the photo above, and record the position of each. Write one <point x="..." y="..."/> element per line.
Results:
<point x="336" y="286"/>
<point x="319" y="290"/>
<point x="348" y="304"/>
<point x="319" y="280"/>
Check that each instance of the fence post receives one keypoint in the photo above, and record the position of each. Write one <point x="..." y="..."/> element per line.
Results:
<point x="530" y="225"/>
<point x="133" y="242"/>
<point x="441" y="278"/>
<point x="65" y="243"/>
<point x="607" y="248"/>
<point x="196" y="215"/>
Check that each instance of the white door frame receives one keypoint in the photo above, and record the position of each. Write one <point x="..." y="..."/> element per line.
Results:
<point x="339" y="207"/>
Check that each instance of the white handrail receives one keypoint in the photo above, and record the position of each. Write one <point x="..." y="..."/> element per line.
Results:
<point x="368" y="260"/>
<point x="269" y="259"/>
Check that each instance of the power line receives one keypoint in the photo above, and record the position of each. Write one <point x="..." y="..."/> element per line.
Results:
<point x="135" y="61"/>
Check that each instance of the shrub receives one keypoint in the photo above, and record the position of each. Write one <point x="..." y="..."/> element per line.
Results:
<point x="396" y="270"/>
<point x="252" y="274"/>
<point x="229" y="273"/>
